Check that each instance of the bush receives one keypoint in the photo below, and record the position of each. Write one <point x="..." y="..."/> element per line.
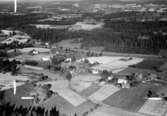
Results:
<point x="33" y="63"/>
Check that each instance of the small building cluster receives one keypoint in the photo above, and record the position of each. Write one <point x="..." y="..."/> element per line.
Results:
<point x="9" y="36"/>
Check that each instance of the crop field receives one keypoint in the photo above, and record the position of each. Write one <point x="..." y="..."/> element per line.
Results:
<point x="103" y="93"/>
<point x="156" y="108"/>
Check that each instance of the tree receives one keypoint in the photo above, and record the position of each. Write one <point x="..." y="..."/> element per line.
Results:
<point x="149" y="93"/>
<point x="163" y="53"/>
<point x="56" y="60"/>
<point x="101" y="54"/>
<point x="73" y="58"/>
<point x="15" y="45"/>
<point x="69" y="76"/>
<point x="105" y="74"/>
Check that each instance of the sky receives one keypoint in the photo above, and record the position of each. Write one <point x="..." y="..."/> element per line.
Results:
<point x="41" y="0"/>
<point x="83" y="0"/>
<point x="36" y="0"/>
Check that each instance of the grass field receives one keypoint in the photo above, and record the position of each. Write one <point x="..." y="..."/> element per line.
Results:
<point x="130" y="99"/>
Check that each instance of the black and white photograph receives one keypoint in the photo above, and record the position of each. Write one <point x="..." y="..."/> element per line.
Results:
<point x="83" y="57"/>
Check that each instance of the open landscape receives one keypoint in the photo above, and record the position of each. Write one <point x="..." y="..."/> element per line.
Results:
<point x="83" y="58"/>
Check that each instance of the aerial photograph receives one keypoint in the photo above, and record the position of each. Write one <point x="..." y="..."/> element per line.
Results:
<point x="83" y="57"/>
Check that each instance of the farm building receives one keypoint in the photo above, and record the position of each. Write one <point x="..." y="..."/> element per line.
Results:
<point x="123" y="82"/>
<point x="34" y="52"/>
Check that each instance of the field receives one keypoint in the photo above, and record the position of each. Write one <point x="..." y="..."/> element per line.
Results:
<point x="112" y="111"/>
<point x="156" y="108"/>
<point x="38" y="57"/>
<point x="85" y="26"/>
<point x="82" y="82"/>
<point x="62" y="88"/>
<point x="72" y="97"/>
<point x="41" y="50"/>
<point x="130" y="99"/>
<point x="69" y="44"/>
<point x="16" y="99"/>
<point x="103" y="93"/>
<point x="56" y="85"/>
<point x="6" y="80"/>
<point x="60" y="101"/>
<point x="33" y="67"/>
<point x="131" y="70"/>
<point x="87" y="92"/>
<point x="51" y="75"/>
<point x="150" y="64"/>
<point x="113" y="63"/>
<point x="46" y="26"/>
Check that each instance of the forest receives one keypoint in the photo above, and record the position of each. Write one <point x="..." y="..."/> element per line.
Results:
<point x="121" y="36"/>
